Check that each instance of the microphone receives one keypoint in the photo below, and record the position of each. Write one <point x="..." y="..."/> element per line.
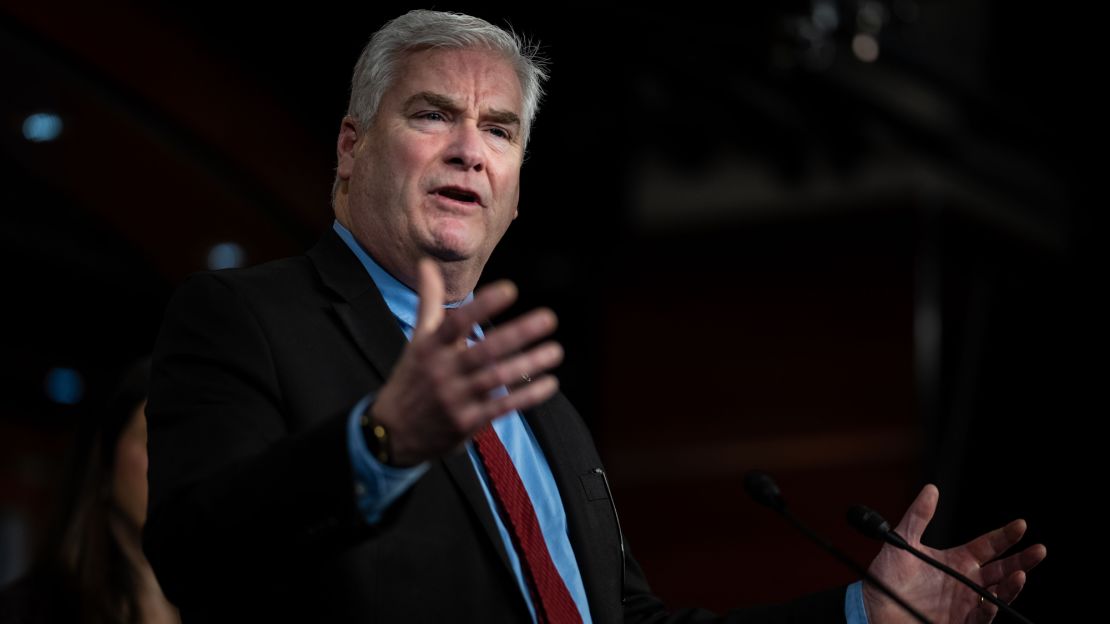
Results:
<point x="764" y="490"/>
<point x="870" y="523"/>
<point x="761" y="487"/>
<point x="620" y="534"/>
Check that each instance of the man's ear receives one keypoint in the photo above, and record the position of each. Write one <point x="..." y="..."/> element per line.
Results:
<point x="346" y="146"/>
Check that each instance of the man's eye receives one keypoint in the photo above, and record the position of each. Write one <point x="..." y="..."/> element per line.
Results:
<point x="432" y="116"/>
<point x="500" y="133"/>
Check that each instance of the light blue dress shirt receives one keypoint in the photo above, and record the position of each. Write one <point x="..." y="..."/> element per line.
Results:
<point x="378" y="486"/>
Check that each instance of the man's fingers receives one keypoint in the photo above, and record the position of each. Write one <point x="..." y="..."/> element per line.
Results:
<point x="1032" y="556"/>
<point x="487" y="303"/>
<point x="523" y="366"/>
<point x="919" y="514"/>
<point x="983" y="614"/>
<point x="992" y="544"/>
<point x="511" y="337"/>
<point x="1006" y="591"/>
<point x="1009" y="589"/>
<point x="429" y="312"/>
<point x="1023" y="561"/>
<point x="527" y="396"/>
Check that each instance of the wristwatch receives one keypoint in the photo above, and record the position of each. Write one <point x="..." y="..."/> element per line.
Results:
<point x="376" y="436"/>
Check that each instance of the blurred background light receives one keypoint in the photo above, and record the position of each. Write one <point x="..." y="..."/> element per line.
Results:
<point x="226" y="256"/>
<point x="64" y="385"/>
<point x="42" y="127"/>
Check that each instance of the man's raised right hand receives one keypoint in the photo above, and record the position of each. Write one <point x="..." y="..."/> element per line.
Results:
<point x="442" y="392"/>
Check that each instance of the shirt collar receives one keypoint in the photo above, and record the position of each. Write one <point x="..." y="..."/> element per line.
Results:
<point x="403" y="301"/>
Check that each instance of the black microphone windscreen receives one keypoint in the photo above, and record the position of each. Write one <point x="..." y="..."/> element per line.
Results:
<point x="763" y="489"/>
<point x="868" y="521"/>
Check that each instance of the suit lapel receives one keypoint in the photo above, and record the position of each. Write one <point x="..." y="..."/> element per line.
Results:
<point x="363" y="312"/>
<point x="462" y="472"/>
<point x="360" y="307"/>
<point x="359" y="316"/>
<point x="572" y="459"/>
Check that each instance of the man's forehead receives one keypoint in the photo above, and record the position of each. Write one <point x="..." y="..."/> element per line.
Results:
<point x="443" y="75"/>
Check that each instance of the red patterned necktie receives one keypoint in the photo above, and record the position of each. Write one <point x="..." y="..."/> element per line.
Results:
<point x="550" y="596"/>
<point x="549" y="593"/>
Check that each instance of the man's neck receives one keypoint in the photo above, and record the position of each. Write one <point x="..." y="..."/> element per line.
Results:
<point x="459" y="277"/>
<point x="458" y="280"/>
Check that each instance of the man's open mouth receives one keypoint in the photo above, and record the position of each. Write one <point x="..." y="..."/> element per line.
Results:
<point x="458" y="194"/>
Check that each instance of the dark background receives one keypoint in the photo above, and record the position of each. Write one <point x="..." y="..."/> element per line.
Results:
<point x="765" y="251"/>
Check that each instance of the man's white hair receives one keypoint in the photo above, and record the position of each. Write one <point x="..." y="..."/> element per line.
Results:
<point x="421" y="30"/>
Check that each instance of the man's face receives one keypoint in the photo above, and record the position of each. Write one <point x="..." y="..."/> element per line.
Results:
<point x="437" y="173"/>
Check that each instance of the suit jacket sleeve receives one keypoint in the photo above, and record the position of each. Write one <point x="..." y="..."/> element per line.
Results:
<point x="233" y="492"/>
<point x="252" y="513"/>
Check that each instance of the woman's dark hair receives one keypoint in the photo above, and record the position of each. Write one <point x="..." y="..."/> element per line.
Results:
<point x="84" y="558"/>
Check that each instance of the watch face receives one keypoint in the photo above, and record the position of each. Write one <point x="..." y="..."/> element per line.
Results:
<point x="376" y="437"/>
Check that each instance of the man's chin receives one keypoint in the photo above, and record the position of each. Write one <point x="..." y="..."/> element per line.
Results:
<point x="449" y="251"/>
<point x="450" y="247"/>
<point x="447" y="255"/>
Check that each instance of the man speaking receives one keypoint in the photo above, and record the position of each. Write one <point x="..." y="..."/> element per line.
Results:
<point x="343" y="437"/>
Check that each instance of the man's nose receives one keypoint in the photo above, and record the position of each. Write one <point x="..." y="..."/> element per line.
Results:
<point x="466" y="150"/>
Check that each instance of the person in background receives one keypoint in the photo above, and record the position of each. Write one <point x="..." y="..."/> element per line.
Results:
<point x="92" y="568"/>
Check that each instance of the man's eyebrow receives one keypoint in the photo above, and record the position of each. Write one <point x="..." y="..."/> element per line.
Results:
<point x="439" y="100"/>
<point x="503" y="117"/>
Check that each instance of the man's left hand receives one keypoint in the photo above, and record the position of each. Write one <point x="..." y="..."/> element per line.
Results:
<point x="939" y="597"/>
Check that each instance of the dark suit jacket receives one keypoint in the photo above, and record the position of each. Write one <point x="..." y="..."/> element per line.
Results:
<point x="252" y="513"/>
